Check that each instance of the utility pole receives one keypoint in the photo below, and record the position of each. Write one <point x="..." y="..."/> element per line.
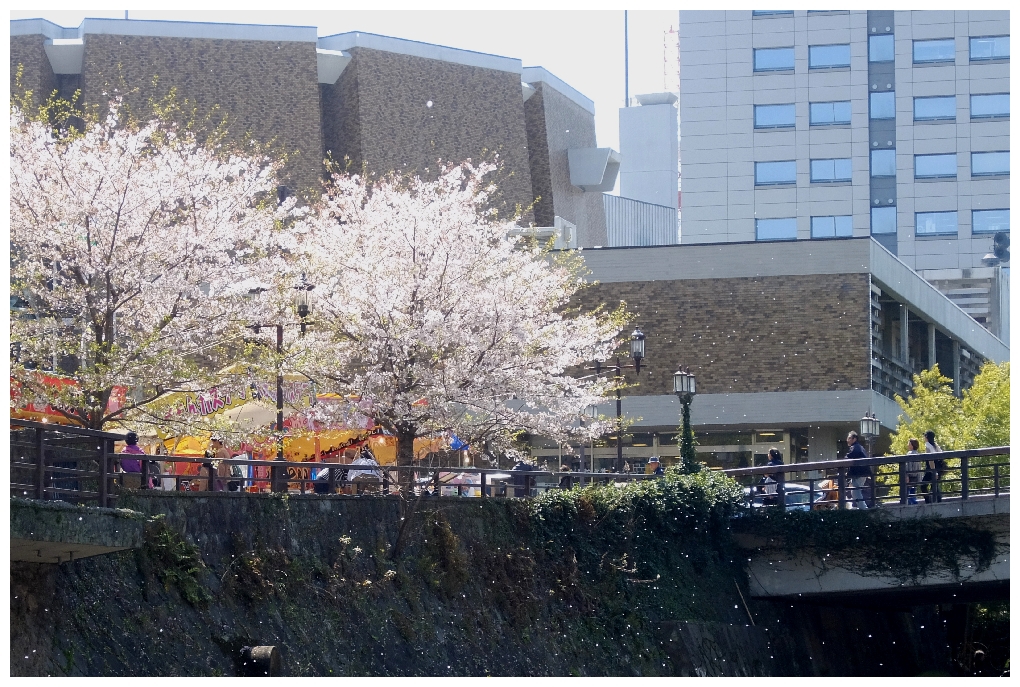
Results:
<point x="626" y="62"/>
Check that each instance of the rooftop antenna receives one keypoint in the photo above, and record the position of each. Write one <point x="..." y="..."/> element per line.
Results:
<point x="626" y="62"/>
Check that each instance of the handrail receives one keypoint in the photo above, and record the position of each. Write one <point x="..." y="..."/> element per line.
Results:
<point x="69" y="429"/>
<point x="880" y="460"/>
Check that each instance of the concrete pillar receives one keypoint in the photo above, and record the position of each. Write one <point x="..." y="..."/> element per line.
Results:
<point x="956" y="367"/>
<point x="822" y="443"/>
<point x="905" y="334"/>
<point x="931" y="345"/>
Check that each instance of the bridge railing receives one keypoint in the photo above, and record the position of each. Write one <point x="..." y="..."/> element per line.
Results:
<point x="55" y="462"/>
<point x="79" y="465"/>
<point x="893" y="480"/>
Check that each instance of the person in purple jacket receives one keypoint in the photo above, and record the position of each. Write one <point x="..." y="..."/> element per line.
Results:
<point x="132" y="466"/>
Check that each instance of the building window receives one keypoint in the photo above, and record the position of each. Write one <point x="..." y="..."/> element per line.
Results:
<point x="989" y="48"/>
<point x="930" y="109"/>
<point x="774" y="116"/>
<point x="881" y="48"/>
<point x="935" y="166"/>
<point x="831" y="227"/>
<point x="768" y="13"/>
<point x="991" y="105"/>
<point x="883" y="105"/>
<point x="883" y="163"/>
<point x="770" y="173"/>
<point x="883" y="220"/>
<point x="830" y="170"/>
<point x="935" y="223"/>
<point x="988" y="164"/>
<point x="942" y="50"/>
<point x="826" y="56"/>
<point x="773" y="59"/>
<point x="776" y="229"/>
<point x="989" y="221"/>
<point x="823" y="114"/>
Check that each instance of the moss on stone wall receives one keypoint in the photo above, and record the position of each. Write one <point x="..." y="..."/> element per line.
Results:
<point x="597" y="581"/>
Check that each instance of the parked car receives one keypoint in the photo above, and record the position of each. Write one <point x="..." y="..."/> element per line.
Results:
<point x="797" y="496"/>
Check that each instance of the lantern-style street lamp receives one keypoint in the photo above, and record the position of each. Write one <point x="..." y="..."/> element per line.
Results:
<point x="637" y="352"/>
<point x="637" y="348"/>
<point x="303" y="300"/>
<point x="870" y="429"/>
<point x="303" y="306"/>
<point x="685" y="387"/>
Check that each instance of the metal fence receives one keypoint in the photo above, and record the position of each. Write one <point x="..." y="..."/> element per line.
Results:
<point x="632" y="222"/>
<point x="51" y="462"/>
<point x="830" y="484"/>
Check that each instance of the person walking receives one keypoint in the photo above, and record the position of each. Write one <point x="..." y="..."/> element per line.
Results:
<point x="913" y="469"/>
<point x="858" y="474"/>
<point x="218" y="452"/>
<point x="934" y="467"/>
<point x="770" y="482"/>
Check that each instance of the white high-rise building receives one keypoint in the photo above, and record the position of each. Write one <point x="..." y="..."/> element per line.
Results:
<point x="810" y="125"/>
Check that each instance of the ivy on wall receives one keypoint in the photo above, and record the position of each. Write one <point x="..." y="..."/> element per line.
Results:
<point x="869" y="544"/>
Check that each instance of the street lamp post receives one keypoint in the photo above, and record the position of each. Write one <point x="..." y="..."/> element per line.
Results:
<point x="637" y="351"/>
<point x="591" y="412"/>
<point x="869" y="429"/>
<point x="303" y="305"/>
<point x="685" y="387"/>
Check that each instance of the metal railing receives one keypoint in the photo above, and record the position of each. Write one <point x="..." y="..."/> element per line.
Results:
<point x="55" y="462"/>
<point x="336" y="478"/>
<point x="829" y="484"/>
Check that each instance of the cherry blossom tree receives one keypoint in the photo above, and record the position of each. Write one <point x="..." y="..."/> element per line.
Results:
<point x="442" y="317"/>
<point x="125" y="240"/>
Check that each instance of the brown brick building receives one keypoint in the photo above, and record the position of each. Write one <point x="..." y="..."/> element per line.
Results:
<point x="372" y="102"/>
<point x="791" y="343"/>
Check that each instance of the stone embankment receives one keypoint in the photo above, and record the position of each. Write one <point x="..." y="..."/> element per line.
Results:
<point x="370" y="586"/>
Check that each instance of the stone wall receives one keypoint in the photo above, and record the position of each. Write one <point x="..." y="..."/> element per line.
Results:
<point x="376" y="114"/>
<point x="267" y="87"/>
<point x="476" y="592"/>
<point x="749" y="335"/>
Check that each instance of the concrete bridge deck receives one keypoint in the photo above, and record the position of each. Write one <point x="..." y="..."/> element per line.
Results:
<point x="774" y="573"/>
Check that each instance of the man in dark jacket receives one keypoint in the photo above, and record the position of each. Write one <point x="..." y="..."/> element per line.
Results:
<point x="858" y="474"/>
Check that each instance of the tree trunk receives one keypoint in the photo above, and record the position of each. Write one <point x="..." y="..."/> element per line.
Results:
<point x="405" y="433"/>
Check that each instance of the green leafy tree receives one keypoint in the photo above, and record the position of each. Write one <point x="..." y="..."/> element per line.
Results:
<point x="985" y="407"/>
<point x="979" y="419"/>
<point x="933" y="406"/>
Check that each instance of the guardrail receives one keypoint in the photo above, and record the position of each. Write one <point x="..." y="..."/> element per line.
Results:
<point x="78" y="465"/>
<point x="963" y="474"/>
<point x="55" y="462"/>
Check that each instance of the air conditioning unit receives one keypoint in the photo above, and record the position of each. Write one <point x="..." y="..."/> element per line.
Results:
<point x="563" y="233"/>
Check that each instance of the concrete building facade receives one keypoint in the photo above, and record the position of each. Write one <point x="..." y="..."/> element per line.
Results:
<point x="800" y="125"/>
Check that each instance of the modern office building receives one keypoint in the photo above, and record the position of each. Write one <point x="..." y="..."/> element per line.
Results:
<point x="791" y="344"/>
<point x="808" y="125"/>
<point x="384" y="104"/>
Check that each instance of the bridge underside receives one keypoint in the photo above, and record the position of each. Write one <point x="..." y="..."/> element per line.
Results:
<point x="57" y="532"/>
<point x="775" y="572"/>
<point x="906" y="598"/>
